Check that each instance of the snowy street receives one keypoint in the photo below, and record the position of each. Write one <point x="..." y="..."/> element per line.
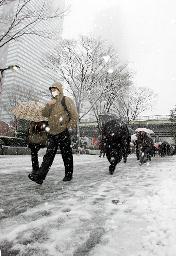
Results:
<point x="132" y="213"/>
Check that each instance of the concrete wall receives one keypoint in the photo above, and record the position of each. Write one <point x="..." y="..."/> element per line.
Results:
<point x="14" y="151"/>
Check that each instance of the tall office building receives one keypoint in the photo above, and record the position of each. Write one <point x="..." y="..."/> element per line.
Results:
<point x="28" y="51"/>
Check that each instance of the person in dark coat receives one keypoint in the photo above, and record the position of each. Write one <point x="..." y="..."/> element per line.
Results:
<point x="61" y="116"/>
<point x="144" y="144"/>
<point x="102" y="147"/>
<point x="164" y="149"/>
<point x="36" y="139"/>
<point x="116" y="140"/>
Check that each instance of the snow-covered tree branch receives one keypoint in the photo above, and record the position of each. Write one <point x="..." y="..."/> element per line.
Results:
<point x="133" y="102"/>
<point x="24" y="17"/>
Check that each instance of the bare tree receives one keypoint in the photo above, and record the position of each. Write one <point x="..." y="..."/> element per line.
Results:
<point x="133" y="102"/>
<point x="4" y="2"/>
<point x="26" y="18"/>
<point x="119" y="80"/>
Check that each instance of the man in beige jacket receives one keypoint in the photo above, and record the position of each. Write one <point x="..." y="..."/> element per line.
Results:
<point x="62" y="115"/>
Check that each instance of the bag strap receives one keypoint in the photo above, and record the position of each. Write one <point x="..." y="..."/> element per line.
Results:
<point x="65" y="106"/>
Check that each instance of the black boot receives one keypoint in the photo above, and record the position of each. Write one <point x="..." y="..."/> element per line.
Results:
<point x="68" y="176"/>
<point x="35" y="178"/>
<point x="111" y="169"/>
<point x="125" y="159"/>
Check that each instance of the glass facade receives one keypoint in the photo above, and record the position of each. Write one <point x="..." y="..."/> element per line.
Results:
<point x="28" y="52"/>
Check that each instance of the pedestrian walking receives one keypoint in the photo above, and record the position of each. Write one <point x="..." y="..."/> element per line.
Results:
<point x="36" y="139"/>
<point x="116" y="140"/>
<point x="101" y="147"/>
<point x="144" y="147"/>
<point x="62" y="115"/>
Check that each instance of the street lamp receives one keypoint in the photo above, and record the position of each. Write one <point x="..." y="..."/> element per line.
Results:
<point x="12" y="67"/>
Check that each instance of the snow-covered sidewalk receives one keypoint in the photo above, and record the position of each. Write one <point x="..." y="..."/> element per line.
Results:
<point x="132" y="213"/>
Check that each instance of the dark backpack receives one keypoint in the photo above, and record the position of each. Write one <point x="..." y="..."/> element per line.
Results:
<point x="65" y="106"/>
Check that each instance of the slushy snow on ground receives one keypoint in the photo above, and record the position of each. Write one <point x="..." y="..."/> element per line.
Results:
<point x="131" y="213"/>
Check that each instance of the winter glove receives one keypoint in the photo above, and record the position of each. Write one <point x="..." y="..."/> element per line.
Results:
<point x="51" y="102"/>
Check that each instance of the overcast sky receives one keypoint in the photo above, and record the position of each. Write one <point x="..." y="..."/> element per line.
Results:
<point x="144" y="34"/>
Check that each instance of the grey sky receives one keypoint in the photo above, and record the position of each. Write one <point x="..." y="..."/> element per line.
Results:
<point x="144" y="33"/>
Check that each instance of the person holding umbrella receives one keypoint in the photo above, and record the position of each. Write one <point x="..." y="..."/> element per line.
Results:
<point x="62" y="115"/>
<point x="36" y="139"/>
<point x="144" y="146"/>
<point x="31" y="111"/>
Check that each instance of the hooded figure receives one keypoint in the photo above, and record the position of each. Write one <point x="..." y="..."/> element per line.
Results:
<point x="58" y="118"/>
<point x="62" y="115"/>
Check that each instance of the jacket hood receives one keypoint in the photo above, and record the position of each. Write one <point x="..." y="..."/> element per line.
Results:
<point x="58" y="86"/>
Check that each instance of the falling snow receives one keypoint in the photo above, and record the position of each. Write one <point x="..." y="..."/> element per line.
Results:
<point x="110" y="71"/>
<point x="47" y="129"/>
<point x="61" y="119"/>
<point x="106" y="58"/>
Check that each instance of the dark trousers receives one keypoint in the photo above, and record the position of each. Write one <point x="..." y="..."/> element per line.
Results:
<point x="34" y="157"/>
<point x="113" y="154"/>
<point x="63" y="141"/>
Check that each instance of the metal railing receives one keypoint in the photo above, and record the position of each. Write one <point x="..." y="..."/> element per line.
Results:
<point x="154" y="117"/>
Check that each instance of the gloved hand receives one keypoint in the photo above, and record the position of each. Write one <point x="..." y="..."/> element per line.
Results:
<point x="51" y="102"/>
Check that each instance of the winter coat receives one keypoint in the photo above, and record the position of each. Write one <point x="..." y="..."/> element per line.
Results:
<point x="37" y="134"/>
<point x="59" y="117"/>
<point x="144" y="141"/>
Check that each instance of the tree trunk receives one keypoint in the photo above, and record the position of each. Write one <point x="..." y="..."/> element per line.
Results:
<point x="78" y="135"/>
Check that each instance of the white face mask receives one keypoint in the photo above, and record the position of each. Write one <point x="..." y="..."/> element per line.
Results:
<point x="55" y="93"/>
